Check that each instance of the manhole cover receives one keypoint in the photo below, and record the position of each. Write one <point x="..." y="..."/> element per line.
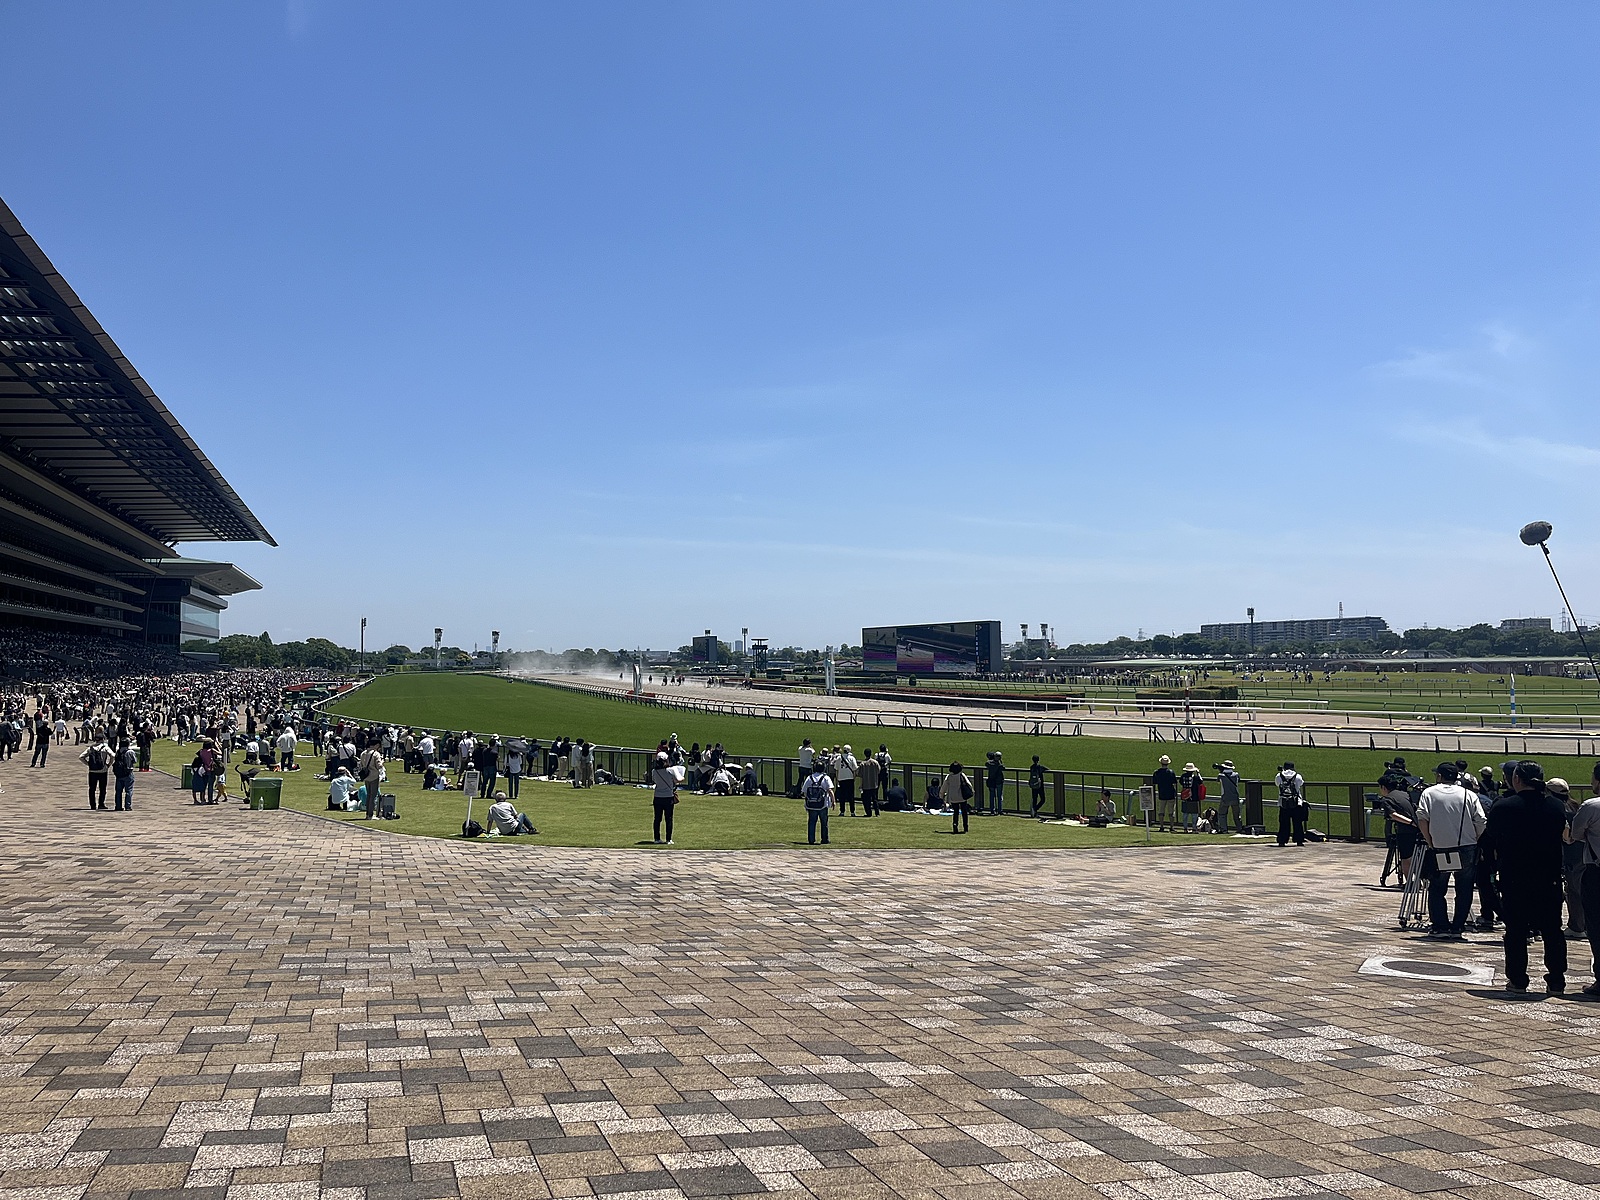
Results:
<point x="1397" y="966"/>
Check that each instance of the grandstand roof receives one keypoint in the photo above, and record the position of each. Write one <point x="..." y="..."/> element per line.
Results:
<point x="73" y="408"/>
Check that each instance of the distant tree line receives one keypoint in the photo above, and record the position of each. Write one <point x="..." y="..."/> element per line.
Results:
<point x="1476" y="641"/>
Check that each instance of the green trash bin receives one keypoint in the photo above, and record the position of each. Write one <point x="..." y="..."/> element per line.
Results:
<point x="187" y="782"/>
<point x="264" y="791"/>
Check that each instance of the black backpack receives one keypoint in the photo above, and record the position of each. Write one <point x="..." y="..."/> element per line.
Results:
<point x="471" y="829"/>
<point x="98" y="760"/>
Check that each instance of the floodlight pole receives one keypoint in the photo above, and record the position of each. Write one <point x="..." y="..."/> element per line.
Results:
<point x="363" y="645"/>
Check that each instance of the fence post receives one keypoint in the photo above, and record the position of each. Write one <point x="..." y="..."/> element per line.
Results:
<point x="1358" y="812"/>
<point x="788" y="777"/>
<point x="1252" y="804"/>
<point x="1059" y="779"/>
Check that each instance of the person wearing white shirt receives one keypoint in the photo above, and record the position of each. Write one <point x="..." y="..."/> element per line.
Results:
<point x="288" y="740"/>
<point x="1450" y="818"/>
<point x="425" y="748"/>
<point x="847" y="780"/>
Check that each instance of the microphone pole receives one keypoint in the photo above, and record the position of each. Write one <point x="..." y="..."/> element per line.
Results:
<point x="1537" y="533"/>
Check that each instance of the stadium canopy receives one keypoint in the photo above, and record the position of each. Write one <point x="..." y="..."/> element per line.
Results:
<point x="75" y="417"/>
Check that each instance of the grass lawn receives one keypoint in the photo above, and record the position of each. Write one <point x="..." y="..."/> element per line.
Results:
<point x="621" y="817"/>
<point x="488" y="704"/>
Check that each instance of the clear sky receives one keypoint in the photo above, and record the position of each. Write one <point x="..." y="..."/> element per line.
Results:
<point x="602" y="324"/>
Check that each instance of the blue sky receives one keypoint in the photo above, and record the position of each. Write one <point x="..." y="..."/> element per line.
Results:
<point x="604" y="324"/>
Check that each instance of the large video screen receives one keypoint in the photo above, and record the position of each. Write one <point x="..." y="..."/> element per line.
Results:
<point x="704" y="649"/>
<point x="956" y="648"/>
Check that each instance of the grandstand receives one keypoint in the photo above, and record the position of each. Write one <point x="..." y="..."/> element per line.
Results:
<point x="98" y="486"/>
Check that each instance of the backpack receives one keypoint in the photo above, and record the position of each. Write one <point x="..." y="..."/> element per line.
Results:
<point x="816" y="793"/>
<point x="1288" y="797"/>
<point x="126" y="761"/>
<point x="98" y="760"/>
<point x="471" y="829"/>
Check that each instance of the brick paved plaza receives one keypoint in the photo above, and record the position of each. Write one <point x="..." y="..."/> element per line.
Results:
<point x="210" y="1003"/>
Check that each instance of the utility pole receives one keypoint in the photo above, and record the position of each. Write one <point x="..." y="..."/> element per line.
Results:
<point x="363" y="645"/>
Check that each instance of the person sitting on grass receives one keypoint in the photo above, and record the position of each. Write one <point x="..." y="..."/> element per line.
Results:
<point x="340" y="791"/>
<point x="750" y="785"/>
<point x="933" y="798"/>
<point x="433" y="779"/>
<point x="894" y="800"/>
<point x="1107" y="807"/>
<point x="503" y="816"/>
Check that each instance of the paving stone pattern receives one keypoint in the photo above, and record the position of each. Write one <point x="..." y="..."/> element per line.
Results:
<point x="208" y="1004"/>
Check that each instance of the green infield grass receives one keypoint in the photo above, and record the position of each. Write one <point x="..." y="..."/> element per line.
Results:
<point x="621" y="817"/>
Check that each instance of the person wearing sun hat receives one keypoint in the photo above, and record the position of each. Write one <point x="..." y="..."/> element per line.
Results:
<point x="1165" y="781"/>
<point x="1194" y="791"/>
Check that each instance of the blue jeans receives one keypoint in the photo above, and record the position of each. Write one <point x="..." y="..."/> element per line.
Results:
<point x="997" y="796"/>
<point x="813" y="819"/>
<point x="124" y="789"/>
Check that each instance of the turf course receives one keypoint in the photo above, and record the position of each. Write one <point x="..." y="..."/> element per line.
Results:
<point x="487" y="704"/>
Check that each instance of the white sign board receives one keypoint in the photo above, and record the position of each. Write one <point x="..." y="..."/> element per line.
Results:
<point x="469" y="784"/>
<point x="1147" y="799"/>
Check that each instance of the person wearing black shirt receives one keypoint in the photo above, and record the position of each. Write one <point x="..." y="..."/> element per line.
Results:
<point x="1524" y="833"/>
<point x="1165" y="780"/>
<point x="1399" y="826"/>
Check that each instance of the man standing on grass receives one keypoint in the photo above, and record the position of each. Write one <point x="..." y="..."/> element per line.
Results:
<point x="817" y="792"/>
<point x="846" y="765"/>
<point x="288" y="743"/>
<point x="371" y="767"/>
<point x="1165" y="781"/>
<point x="1036" y="785"/>
<point x="870" y="772"/>
<point x="1524" y="831"/>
